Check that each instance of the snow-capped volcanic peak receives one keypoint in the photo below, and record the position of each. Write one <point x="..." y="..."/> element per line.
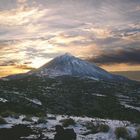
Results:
<point x="68" y="64"/>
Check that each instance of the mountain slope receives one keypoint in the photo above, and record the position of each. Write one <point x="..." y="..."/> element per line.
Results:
<point x="36" y="92"/>
<point x="69" y="65"/>
<point x="72" y="96"/>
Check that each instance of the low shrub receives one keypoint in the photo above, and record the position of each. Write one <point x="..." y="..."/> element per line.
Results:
<point x="7" y="114"/>
<point x="93" y="128"/>
<point x="97" y="128"/>
<point x="27" y="118"/>
<point x="89" y="125"/>
<point x="16" y="132"/>
<point x="103" y="128"/>
<point x="67" y="122"/>
<point x="121" y="132"/>
<point x="138" y="134"/>
<point x="42" y="120"/>
<point x="2" y="121"/>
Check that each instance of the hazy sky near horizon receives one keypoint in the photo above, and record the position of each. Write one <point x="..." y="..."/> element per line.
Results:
<point x="33" y="32"/>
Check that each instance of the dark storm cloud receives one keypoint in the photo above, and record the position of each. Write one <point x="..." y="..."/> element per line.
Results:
<point x="32" y="29"/>
<point x="129" y="56"/>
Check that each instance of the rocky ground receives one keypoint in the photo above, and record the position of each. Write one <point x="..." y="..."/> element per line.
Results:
<point x="34" y="128"/>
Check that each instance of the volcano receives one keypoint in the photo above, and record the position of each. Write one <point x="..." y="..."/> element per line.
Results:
<point x="69" y="65"/>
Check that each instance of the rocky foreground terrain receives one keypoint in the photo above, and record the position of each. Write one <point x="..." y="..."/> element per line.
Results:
<point x="24" y="127"/>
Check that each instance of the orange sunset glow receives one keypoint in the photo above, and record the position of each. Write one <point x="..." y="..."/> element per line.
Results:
<point x="34" y="32"/>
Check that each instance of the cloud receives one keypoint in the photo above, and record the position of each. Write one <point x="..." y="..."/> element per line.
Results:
<point x="21" y="1"/>
<point x="26" y="67"/>
<point x="20" y="16"/>
<point x="38" y="30"/>
<point x="128" y="56"/>
<point x="11" y="62"/>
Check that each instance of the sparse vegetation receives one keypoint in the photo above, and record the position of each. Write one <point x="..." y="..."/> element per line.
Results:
<point x="67" y="122"/>
<point x="69" y="96"/>
<point x="97" y="128"/>
<point x="16" y="132"/>
<point x="27" y="118"/>
<point x="42" y="120"/>
<point x="2" y="121"/>
<point x="6" y="114"/>
<point x="138" y="134"/>
<point x="103" y="128"/>
<point x="10" y="114"/>
<point x="93" y="128"/>
<point x="121" y="132"/>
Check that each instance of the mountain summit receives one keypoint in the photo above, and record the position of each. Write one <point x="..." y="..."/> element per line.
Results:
<point x="70" y="65"/>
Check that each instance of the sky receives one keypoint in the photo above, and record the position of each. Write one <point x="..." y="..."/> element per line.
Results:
<point x="105" y="32"/>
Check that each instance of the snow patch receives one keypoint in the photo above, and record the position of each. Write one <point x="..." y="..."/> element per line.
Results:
<point x="3" y="100"/>
<point x="130" y="106"/>
<point x="48" y="128"/>
<point x="99" y="95"/>
<point x="35" y="101"/>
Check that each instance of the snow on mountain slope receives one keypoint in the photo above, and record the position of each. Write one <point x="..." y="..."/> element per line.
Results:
<point x="69" y="65"/>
